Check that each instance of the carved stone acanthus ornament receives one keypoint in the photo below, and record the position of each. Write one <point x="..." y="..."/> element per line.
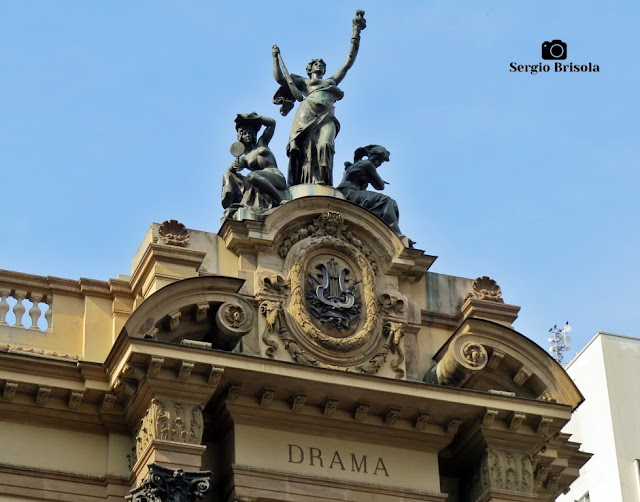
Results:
<point x="501" y="470"/>
<point x="485" y="288"/>
<point x="173" y="232"/>
<point x="329" y="224"/>
<point x="170" y="421"/>
<point x="168" y="485"/>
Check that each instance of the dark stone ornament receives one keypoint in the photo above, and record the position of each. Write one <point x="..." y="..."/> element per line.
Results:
<point x="332" y="297"/>
<point x="362" y="173"/>
<point x="168" y="485"/>
<point x="263" y="189"/>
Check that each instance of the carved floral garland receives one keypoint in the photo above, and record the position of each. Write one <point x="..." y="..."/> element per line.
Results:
<point x="272" y="310"/>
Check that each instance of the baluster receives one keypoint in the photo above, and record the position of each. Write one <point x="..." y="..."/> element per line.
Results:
<point x="4" y="306"/>
<point x="18" y="308"/>
<point x="48" y="315"/>
<point x="35" y="312"/>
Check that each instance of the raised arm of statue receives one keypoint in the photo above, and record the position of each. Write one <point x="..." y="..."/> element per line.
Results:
<point x="359" y="24"/>
<point x="270" y="128"/>
<point x="277" y="71"/>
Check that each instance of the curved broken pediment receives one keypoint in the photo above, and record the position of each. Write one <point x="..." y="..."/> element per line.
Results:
<point x="202" y="310"/>
<point x="486" y="356"/>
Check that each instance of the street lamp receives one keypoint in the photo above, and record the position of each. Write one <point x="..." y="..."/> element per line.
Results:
<point x="559" y="341"/>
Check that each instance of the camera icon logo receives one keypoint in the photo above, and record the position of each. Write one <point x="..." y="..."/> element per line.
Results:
<point x="556" y="49"/>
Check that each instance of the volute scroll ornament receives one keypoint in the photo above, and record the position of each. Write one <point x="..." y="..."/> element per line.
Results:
<point x="344" y="300"/>
<point x="169" y="485"/>
<point x="462" y="357"/>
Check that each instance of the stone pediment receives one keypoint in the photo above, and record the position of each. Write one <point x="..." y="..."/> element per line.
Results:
<point x="205" y="311"/>
<point x="487" y="356"/>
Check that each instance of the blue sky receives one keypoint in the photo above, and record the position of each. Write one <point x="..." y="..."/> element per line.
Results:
<point x="117" y="114"/>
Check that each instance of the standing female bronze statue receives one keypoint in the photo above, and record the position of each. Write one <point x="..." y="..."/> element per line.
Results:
<point x="314" y="128"/>
<point x="262" y="189"/>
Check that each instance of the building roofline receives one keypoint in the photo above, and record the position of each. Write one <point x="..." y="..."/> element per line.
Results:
<point x="599" y="333"/>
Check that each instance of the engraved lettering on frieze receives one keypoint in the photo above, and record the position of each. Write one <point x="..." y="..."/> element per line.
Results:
<point x="155" y="365"/>
<point x="332" y="297"/>
<point x="266" y="397"/>
<point x="515" y="421"/>
<point x="360" y="413"/>
<point x="337" y="460"/>
<point x="9" y="391"/>
<point x="75" y="399"/>
<point x="42" y="395"/>
<point x="329" y="407"/>
<point x="522" y="375"/>
<point x="496" y="358"/>
<point x="544" y="424"/>
<point x="421" y="421"/>
<point x="297" y="402"/>
<point x="489" y="417"/>
<point x="184" y="370"/>
<point x="391" y="416"/>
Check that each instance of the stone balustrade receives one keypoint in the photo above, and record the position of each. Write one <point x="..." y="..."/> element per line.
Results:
<point x="22" y="308"/>
<point x="62" y="316"/>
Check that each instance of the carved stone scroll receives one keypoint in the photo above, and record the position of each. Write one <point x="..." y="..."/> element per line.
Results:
<point x="234" y="321"/>
<point x="462" y="357"/>
<point x="298" y="308"/>
<point x="169" y="485"/>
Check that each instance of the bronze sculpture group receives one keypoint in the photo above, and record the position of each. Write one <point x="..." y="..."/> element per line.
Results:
<point x="310" y="148"/>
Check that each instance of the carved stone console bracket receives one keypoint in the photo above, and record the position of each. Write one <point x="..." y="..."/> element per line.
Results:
<point x="168" y="485"/>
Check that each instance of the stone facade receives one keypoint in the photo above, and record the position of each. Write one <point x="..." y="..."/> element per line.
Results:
<point x="311" y="356"/>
